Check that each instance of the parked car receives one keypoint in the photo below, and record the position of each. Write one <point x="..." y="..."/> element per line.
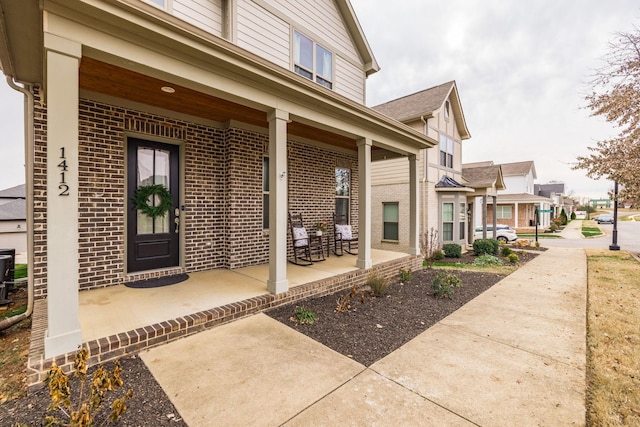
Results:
<point x="504" y="233"/>
<point x="604" y="219"/>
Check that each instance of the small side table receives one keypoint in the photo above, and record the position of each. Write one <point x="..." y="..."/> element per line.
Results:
<point x="323" y="238"/>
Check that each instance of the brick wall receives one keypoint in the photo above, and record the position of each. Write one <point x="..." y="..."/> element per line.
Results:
<point x="222" y="187"/>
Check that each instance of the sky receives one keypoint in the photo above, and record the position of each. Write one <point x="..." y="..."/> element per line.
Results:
<point x="522" y="69"/>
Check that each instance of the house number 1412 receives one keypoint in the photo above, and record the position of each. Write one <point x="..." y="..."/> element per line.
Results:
<point x="63" y="187"/>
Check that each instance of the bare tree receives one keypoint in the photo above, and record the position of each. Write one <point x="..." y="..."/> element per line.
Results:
<point x="615" y="96"/>
<point x="429" y="245"/>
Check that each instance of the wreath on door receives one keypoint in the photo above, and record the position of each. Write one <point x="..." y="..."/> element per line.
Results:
<point x="153" y="200"/>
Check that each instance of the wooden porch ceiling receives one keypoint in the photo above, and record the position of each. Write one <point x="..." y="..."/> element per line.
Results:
<point x="108" y="79"/>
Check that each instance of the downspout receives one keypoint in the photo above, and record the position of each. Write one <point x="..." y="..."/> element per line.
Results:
<point x="29" y="160"/>
<point x="424" y="193"/>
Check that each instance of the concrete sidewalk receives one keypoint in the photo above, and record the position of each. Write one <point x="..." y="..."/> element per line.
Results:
<point x="515" y="355"/>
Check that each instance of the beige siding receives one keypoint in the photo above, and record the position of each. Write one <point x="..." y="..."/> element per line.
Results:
<point x="265" y="27"/>
<point x="204" y="14"/>
<point x="396" y="193"/>
<point x="263" y="33"/>
<point x="321" y="20"/>
<point x="349" y="80"/>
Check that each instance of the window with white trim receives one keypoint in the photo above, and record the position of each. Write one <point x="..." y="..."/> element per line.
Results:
<point x="447" y="107"/>
<point x="312" y="60"/>
<point x="390" y="219"/>
<point x="447" y="222"/>
<point x="463" y="220"/>
<point x="446" y="151"/>
<point x="504" y="212"/>
<point x="162" y="4"/>
<point x="265" y="193"/>
<point x="343" y="192"/>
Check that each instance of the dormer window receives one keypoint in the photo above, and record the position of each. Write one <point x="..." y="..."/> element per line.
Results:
<point x="312" y="60"/>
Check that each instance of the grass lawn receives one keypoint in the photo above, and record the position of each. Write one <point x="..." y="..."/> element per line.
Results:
<point x="613" y="339"/>
<point x="541" y="235"/>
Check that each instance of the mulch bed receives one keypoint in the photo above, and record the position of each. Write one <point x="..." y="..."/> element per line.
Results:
<point x="374" y="328"/>
<point x="366" y="332"/>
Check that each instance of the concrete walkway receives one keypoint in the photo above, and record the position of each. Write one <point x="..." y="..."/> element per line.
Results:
<point x="515" y="355"/>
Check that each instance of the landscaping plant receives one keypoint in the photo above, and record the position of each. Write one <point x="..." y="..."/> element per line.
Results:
<point x="513" y="258"/>
<point x="485" y="260"/>
<point x="405" y="275"/>
<point x="452" y="250"/>
<point x="303" y="315"/>
<point x="430" y="247"/>
<point x="82" y="409"/>
<point x="378" y="285"/>
<point x="485" y="247"/>
<point x="444" y="283"/>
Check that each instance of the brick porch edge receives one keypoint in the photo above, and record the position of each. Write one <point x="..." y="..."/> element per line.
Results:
<point x="115" y="346"/>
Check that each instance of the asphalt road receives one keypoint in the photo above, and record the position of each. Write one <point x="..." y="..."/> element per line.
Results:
<point x="628" y="238"/>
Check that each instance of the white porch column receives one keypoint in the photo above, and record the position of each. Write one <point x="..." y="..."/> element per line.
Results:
<point x="364" y="203"/>
<point x="414" y="206"/>
<point x="278" y="175"/>
<point x="495" y="216"/>
<point x="515" y="220"/>
<point x="484" y="216"/>
<point x="62" y="64"/>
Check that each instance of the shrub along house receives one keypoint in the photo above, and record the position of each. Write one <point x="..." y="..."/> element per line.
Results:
<point x="227" y="113"/>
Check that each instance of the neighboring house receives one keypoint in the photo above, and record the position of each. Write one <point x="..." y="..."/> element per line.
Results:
<point x="559" y="200"/>
<point x="516" y="204"/>
<point x="13" y="219"/>
<point x="239" y="110"/>
<point x="487" y="181"/>
<point x="437" y="113"/>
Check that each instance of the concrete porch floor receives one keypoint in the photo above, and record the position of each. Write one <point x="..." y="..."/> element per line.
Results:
<point x="108" y="311"/>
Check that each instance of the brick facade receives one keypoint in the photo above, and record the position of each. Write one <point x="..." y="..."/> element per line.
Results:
<point x="222" y="187"/>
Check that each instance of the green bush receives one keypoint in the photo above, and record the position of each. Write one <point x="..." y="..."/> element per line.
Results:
<point x="438" y="255"/>
<point x="452" y="250"/>
<point x="303" y="315"/>
<point x="485" y="247"/>
<point x="513" y="258"/>
<point x="378" y="285"/>
<point x="405" y="275"/>
<point x="485" y="260"/>
<point x="573" y="216"/>
<point x="444" y="283"/>
<point x="505" y="251"/>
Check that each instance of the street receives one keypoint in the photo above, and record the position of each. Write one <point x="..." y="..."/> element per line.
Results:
<point x="628" y="238"/>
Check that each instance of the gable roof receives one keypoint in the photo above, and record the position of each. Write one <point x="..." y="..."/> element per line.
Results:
<point x="17" y="192"/>
<point x="484" y="176"/>
<point x="425" y="103"/>
<point x="351" y="21"/>
<point x="519" y="168"/>
<point x="546" y="189"/>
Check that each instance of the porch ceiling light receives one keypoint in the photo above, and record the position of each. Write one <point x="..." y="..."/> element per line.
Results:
<point x="167" y="89"/>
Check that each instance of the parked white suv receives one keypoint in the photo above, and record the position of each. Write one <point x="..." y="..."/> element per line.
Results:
<point x="504" y="233"/>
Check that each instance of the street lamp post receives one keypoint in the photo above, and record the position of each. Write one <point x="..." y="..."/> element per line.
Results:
<point x="614" y="244"/>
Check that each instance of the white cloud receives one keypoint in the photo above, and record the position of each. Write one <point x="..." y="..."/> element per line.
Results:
<point x="521" y="69"/>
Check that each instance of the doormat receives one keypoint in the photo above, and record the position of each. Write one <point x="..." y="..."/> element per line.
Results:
<point x="156" y="282"/>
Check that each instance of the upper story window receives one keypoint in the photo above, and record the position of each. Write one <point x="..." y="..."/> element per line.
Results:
<point x="447" y="107"/>
<point x="160" y="3"/>
<point x="312" y="60"/>
<point x="446" y="151"/>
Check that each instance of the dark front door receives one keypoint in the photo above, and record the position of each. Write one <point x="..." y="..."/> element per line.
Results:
<point x="153" y="239"/>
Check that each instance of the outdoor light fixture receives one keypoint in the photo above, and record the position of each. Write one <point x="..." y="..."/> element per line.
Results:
<point x="167" y="89"/>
